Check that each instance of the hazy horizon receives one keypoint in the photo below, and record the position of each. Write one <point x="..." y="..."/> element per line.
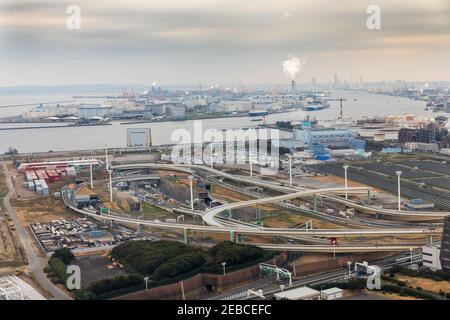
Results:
<point x="182" y="43"/>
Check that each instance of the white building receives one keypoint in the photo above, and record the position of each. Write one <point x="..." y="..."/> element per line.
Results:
<point x="431" y="253"/>
<point x="139" y="137"/>
<point x="303" y="293"/>
<point x="332" y="293"/>
<point x="88" y="111"/>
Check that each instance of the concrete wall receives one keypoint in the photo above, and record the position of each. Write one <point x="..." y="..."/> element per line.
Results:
<point x="196" y="286"/>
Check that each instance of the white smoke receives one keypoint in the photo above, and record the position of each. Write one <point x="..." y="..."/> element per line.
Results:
<point x="293" y="65"/>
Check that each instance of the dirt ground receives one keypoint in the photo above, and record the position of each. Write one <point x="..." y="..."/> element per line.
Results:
<point x="391" y="296"/>
<point x="424" y="283"/>
<point x="41" y="209"/>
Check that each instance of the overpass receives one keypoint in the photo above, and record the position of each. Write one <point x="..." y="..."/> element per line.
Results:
<point x="70" y="202"/>
<point x="187" y="168"/>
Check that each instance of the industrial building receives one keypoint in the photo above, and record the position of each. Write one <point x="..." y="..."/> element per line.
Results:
<point x="445" y="245"/>
<point x="331" y="294"/>
<point x="14" y="288"/>
<point x="431" y="253"/>
<point x="343" y="138"/>
<point x="303" y="293"/>
<point x="88" y="111"/>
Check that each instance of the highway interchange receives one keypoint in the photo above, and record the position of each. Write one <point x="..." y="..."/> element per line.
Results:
<point x="213" y="224"/>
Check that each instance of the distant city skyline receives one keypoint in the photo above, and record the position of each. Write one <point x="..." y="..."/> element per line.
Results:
<point x="178" y="42"/>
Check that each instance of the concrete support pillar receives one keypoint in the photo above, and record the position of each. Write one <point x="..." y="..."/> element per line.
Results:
<point x="430" y="239"/>
<point x="315" y="202"/>
<point x="368" y="197"/>
<point x="139" y="228"/>
<point x="232" y="235"/>
<point x="185" y="233"/>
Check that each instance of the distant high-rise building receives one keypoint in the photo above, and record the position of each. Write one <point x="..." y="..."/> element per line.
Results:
<point x="335" y="81"/>
<point x="445" y="245"/>
<point x="293" y="85"/>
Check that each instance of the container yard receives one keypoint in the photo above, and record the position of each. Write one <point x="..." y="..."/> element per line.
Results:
<point x="39" y="174"/>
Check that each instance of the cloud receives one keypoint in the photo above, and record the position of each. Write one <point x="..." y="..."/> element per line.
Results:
<point x="232" y="35"/>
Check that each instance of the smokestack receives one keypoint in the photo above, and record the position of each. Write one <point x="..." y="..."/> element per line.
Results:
<point x="293" y="85"/>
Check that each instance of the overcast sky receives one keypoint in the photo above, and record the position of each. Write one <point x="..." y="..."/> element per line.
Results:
<point x="221" y="41"/>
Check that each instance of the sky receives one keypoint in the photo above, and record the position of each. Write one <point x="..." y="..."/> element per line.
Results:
<point x="176" y="42"/>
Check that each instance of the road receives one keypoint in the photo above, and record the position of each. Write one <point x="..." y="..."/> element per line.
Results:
<point x="69" y="200"/>
<point x="188" y="168"/>
<point x="36" y="264"/>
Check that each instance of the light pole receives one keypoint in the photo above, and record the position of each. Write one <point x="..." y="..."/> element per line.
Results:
<point x="106" y="156"/>
<point x="223" y="267"/>
<point x="212" y="157"/>
<point x="290" y="171"/>
<point x="192" y="192"/>
<point x="110" y="186"/>
<point x="345" y="166"/>
<point x="399" y="173"/>
<point x="92" y="181"/>
<point x="146" y="283"/>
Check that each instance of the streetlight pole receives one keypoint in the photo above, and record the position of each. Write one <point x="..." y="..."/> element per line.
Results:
<point x="346" y="181"/>
<point x="92" y="181"/>
<point x="399" y="173"/>
<point x="212" y="157"/>
<point x="106" y="157"/>
<point x="146" y="283"/>
<point x="223" y="267"/>
<point x="110" y="186"/>
<point x="192" y="192"/>
<point x="290" y="171"/>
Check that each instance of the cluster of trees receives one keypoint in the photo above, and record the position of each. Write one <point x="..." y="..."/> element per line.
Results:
<point x="439" y="275"/>
<point x="167" y="261"/>
<point x="145" y="257"/>
<point x="234" y="253"/>
<point x="57" y="265"/>
<point x="162" y="260"/>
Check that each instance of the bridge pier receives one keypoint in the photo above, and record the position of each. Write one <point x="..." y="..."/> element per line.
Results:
<point x="430" y="239"/>
<point x="185" y="235"/>
<point x="139" y="228"/>
<point x="315" y="202"/>
<point x="368" y="197"/>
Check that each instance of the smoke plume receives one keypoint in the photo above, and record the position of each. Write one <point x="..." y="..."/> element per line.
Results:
<point x="293" y="65"/>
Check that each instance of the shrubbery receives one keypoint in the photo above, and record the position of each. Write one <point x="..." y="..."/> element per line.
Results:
<point x="144" y="257"/>
<point x="234" y="254"/>
<point x="57" y="265"/>
<point x="179" y="265"/>
<point x="65" y="255"/>
<point x="166" y="261"/>
<point x="119" y="282"/>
